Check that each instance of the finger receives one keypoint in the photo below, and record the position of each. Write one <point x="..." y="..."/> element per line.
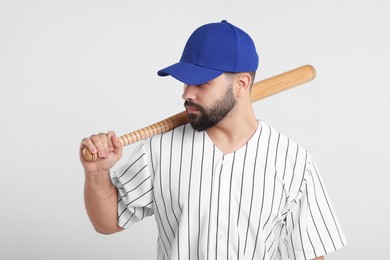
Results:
<point x="100" y="142"/>
<point x="87" y="143"/>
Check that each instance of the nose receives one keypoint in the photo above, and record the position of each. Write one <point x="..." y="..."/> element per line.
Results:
<point x="189" y="92"/>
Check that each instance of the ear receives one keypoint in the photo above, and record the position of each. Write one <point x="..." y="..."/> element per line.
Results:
<point x="243" y="82"/>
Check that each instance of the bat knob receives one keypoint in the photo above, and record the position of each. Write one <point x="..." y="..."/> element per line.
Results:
<point x="88" y="156"/>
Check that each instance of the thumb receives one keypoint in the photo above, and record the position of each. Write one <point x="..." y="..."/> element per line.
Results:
<point x="117" y="145"/>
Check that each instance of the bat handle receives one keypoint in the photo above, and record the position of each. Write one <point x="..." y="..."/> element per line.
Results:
<point x="146" y="132"/>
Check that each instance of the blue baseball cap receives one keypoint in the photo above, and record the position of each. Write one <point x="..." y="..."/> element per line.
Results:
<point x="211" y="50"/>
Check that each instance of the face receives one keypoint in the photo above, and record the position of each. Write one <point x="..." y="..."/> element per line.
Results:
<point x="204" y="116"/>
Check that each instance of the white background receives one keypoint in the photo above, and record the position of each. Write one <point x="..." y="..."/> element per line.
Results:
<point x="69" y="69"/>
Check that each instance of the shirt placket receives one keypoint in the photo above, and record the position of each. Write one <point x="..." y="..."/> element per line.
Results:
<point x="220" y="209"/>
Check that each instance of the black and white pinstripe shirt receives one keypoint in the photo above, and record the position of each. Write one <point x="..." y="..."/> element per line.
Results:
<point x="264" y="201"/>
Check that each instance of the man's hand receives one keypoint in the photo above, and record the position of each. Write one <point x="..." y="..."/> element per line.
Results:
<point x="107" y="146"/>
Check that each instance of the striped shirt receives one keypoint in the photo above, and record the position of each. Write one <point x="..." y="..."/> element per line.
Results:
<point x="266" y="200"/>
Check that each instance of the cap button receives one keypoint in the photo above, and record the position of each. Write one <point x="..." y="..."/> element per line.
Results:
<point x="223" y="21"/>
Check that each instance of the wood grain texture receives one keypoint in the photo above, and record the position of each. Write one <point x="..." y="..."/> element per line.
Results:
<point x="260" y="90"/>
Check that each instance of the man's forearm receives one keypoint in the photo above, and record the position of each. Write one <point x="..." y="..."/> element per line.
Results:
<point x="101" y="199"/>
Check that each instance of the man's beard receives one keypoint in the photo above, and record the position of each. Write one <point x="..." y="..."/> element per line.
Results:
<point x="209" y="117"/>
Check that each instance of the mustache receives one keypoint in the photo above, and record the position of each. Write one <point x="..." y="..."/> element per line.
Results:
<point x="188" y="103"/>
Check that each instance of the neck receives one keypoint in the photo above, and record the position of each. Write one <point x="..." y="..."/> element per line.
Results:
<point x="234" y="130"/>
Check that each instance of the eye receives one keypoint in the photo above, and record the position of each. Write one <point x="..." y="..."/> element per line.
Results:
<point x="204" y="84"/>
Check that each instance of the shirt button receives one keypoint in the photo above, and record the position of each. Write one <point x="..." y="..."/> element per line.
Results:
<point x="220" y="236"/>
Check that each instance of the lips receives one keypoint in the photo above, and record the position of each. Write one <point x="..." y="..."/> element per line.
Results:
<point x="191" y="107"/>
<point x="192" y="110"/>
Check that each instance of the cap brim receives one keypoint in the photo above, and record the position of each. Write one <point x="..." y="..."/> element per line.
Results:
<point x="189" y="73"/>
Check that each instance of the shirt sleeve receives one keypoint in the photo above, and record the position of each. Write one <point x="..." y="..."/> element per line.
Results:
<point x="135" y="190"/>
<point x="312" y="225"/>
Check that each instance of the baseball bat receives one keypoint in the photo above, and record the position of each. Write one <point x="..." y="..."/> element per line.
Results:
<point x="260" y="90"/>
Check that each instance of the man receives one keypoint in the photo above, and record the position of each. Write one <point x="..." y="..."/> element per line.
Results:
<point x="225" y="186"/>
